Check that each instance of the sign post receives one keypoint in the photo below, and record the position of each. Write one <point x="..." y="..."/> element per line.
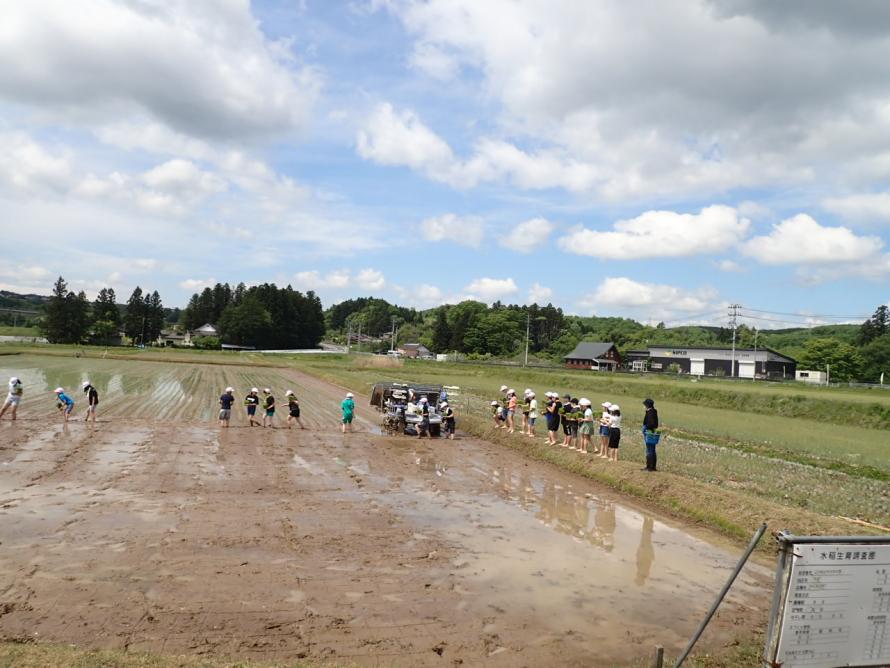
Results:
<point x="831" y="605"/>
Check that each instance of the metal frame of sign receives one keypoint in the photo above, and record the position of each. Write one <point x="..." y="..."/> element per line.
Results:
<point x="787" y="542"/>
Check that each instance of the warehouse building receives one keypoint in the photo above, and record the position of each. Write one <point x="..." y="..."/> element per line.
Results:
<point x="595" y="356"/>
<point x="749" y="362"/>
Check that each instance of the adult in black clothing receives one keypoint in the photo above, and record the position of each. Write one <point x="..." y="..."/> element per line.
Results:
<point x="650" y="424"/>
<point x="92" y="400"/>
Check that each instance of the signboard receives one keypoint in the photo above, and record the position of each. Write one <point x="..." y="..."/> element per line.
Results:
<point x="832" y="605"/>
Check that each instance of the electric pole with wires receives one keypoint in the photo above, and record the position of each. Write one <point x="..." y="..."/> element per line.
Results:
<point x="733" y="321"/>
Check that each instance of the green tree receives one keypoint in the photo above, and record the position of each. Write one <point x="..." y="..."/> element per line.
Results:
<point x="841" y="359"/>
<point x="77" y="313"/>
<point x="876" y="326"/>
<point x="441" y="338"/>
<point x="877" y="360"/>
<point x="154" y="316"/>
<point x="105" y="307"/>
<point x="103" y="330"/>
<point x="54" y="325"/>
<point x="247" y="324"/>
<point x="135" y="316"/>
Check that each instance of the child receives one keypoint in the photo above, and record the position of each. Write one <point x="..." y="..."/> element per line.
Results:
<point x="293" y="410"/>
<point x="526" y="410"/>
<point x="65" y="404"/>
<point x="564" y="413"/>
<point x="496" y="414"/>
<point x="532" y="413"/>
<point x="573" y="424"/>
<point x="269" y="407"/>
<point x="512" y="400"/>
<point x="252" y="400"/>
<point x="92" y="401"/>
<point x="614" y="431"/>
<point x="586" y="425"/>
<point x="225" y="406"/>
<point x="448" y="415"/>
<point x="604" y="423"/>
<point x="423" y="429"/>
<point x="348" y="408"/>
<point x="14" y="398"/>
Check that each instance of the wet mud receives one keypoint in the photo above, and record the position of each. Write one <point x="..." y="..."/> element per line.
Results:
<point x="159" y="531"/>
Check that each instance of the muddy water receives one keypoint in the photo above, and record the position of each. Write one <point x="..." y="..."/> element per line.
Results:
<point x="171" y="535"/>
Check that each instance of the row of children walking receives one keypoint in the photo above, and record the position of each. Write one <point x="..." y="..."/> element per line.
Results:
<point x="583" y="430"/>
<point x="64" y="403"/>
<point x="253" y="401"/>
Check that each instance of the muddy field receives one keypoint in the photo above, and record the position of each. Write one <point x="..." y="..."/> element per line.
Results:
<point x="159" y="531"/>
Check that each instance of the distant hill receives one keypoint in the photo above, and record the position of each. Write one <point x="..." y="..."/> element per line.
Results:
<point x="24" y="302"/>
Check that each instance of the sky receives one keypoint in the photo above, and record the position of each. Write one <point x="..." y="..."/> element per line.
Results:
<point x="636" y="158"/>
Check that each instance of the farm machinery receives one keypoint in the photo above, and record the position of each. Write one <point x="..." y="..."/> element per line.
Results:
<point x="401" y="406"/>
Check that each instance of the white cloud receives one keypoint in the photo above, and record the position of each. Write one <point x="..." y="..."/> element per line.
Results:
<point x="370" y="280"/>
<point x="422" y="296"/>
<point x="539" y="294"/>
<point x="464" y="230"/>
<point x="729" y="266"/>
<point x="802" y="240"/>
<point x="661" y="234"/>
<point x="490" y="289"/>
<point x="528" y="235"/>
<point x="865" y="208"/>
<point x="30" y="168"/>
<point x="653" y="301"/>
<point x="183" y="177"/>
<point x="197" y="284"/>
<point x="206" y="71"/>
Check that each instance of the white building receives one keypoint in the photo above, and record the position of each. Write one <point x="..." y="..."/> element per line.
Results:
<point x="815" y="377"/>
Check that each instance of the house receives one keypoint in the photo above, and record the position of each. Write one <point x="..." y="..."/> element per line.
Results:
<point x="714" y="361"/>
<point x="172" y="338"/>
<point x="594" y="355"/>
<point x="205" y="330"/>
<point x="415" y="350"/>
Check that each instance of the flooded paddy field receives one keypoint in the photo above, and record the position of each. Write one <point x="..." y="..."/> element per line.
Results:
<point x="159" y="531"/>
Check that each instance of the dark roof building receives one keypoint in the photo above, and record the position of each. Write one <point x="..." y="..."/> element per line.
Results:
<point x="714" y="361"/>
<point x="594" y="355"/>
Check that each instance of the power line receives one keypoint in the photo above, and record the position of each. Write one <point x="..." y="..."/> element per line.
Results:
<point x="807" y="315"/>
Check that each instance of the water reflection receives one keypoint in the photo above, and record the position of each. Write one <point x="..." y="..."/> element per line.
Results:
<point x="645" y="552"/>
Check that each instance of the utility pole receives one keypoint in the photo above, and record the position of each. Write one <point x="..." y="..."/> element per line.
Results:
<point x="733" y="320"/>
<point x="392" y="345"/>
<point x="756" y="332"/>
<point x="348" y="335"/>
<point x="358" y="341"/>
<point x="528" y="325"/>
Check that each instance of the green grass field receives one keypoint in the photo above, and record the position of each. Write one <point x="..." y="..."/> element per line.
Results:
<point x="6" y="330"/>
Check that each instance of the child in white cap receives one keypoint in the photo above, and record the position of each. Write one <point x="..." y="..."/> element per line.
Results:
<point x="269" y="408"/>
<point x="293" y="410"/>
<point x="225" y="406"/>
<point x="92" y="401"/>
<point x="347" y="406"/>
<point x="13" y="398"/>
<point x="64" y="403"/>
<point x="251" y="401"/>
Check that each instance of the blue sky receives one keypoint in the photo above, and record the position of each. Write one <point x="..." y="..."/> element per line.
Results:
<point x="616" y="158"/>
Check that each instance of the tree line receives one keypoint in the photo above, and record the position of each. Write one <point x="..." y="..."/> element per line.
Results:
<point x="262" y="316"/>
<point x="69" y="317"/>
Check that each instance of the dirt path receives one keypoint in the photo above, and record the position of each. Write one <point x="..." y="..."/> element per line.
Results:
<point x="276" y="544"/>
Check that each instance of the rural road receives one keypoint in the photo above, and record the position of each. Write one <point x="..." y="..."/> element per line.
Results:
<point x="161" y="532"/>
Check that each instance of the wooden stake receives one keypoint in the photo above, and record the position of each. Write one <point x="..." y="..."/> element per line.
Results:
<point x="658" y="661"/>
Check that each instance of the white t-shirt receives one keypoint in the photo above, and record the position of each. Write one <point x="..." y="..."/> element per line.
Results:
<point x="588" y="414"/>
<point x="533" y="408"/>
<point x="615" y="421"/>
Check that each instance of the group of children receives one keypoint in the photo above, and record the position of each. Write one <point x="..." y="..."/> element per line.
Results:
<point x="64" y="403"/>
<point x="579" y="423"/>
<point x="252" y="401"/>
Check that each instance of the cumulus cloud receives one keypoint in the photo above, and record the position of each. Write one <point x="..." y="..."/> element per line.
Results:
<point x="539" y="294"/>
<point x="422" y="296"/>
<point x="464" y="230"/>
<point x="370" y="279"/>
<point x="206" y="71"/>
<point x="528" y="235"/>
<point x="490" y="289"/>
<point x="661" y="234"/>
<point x="197" y="284"/>
<point x="653" y="301"/>
<point x="861" y="208"/>
<point x="729" y="266"/>
<point x="802" y="240"/>
<point x="612" y="111"/>
<point x="31" y="168"/>
<point x="340" y="279"/>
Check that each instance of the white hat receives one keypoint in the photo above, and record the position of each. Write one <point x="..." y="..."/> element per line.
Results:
<point x="253" y="389"/>
<point x="267" y="390"/>
<point x="503" y="388"/>
<point x="85" y="384"/>
<point x="58" y="390"/>
<point x="615" y="407"/>
<point x="444" y="404"/>
<point x="14" y="380"/>
<point x="289" y="393"/>
<point x="424" y="400"/>
<point x="528" y="390"/>
<point x="230" y="389"/>
<point x="606" y="404"/>
<point x="494" y="403"/>
<point x="349" y="395"/>
<point x="531" y="393"/>
<point x="583" y="402"/>
<point x="511" y="391"/>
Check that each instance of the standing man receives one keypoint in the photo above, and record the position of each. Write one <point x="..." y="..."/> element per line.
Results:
<point x="650" y="434"/>
<point x="348" y="408"/>
<point x="14" y="398"/>
<point x="269" y="407"/>
<point x="225" y="406"/>
<point x="251" y="401"/>
<point x="92" y="401"/>
<point x="448" y="417"/>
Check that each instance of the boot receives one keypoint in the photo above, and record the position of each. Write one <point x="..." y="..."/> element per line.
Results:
<point x="648" y="463"/>
<point x="654" y="462"/>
